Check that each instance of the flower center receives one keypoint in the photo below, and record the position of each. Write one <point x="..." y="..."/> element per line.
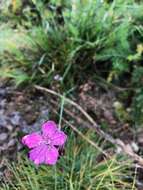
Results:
<point x="48" y="141"/>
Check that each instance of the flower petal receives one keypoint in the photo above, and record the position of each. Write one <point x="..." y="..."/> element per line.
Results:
<point x="43" y="154"/>
<point x="32" y="140"/>
<point x="49" y="128"/>
<point x="51" y="156"/>
<point x="59" y="138"/>
<point x="37" y="154"/>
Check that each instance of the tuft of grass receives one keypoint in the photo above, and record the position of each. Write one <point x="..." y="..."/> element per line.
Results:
<point x="78" y="169"/>
<point x="70" y="37"/>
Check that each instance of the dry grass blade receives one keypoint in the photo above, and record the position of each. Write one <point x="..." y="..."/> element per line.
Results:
<point x="125" y="148"/>
<point x="83" y="136"/>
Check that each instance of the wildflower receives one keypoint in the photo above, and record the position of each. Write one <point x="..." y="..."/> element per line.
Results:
<point x="44" y="145"/>
<point x="58" y="77"/>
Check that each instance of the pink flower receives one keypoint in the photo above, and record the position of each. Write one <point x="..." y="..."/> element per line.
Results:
<point x="43" y="144"/>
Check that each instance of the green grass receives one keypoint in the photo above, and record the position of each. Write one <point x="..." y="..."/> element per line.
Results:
<point x="68" y="38"/>
<point x="78" y="169"/>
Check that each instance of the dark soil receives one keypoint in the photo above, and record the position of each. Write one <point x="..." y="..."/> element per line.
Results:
<point x="20" y="113"/>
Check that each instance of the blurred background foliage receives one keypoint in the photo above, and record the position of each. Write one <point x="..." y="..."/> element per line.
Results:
<point x="42" y="39"/>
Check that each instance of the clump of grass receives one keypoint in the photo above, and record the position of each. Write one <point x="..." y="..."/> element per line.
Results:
<point x="71" y="37"/>
<point x="78" y="169"/>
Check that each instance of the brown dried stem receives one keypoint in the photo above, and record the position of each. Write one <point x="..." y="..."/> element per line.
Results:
<point x="125" y="148"/>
